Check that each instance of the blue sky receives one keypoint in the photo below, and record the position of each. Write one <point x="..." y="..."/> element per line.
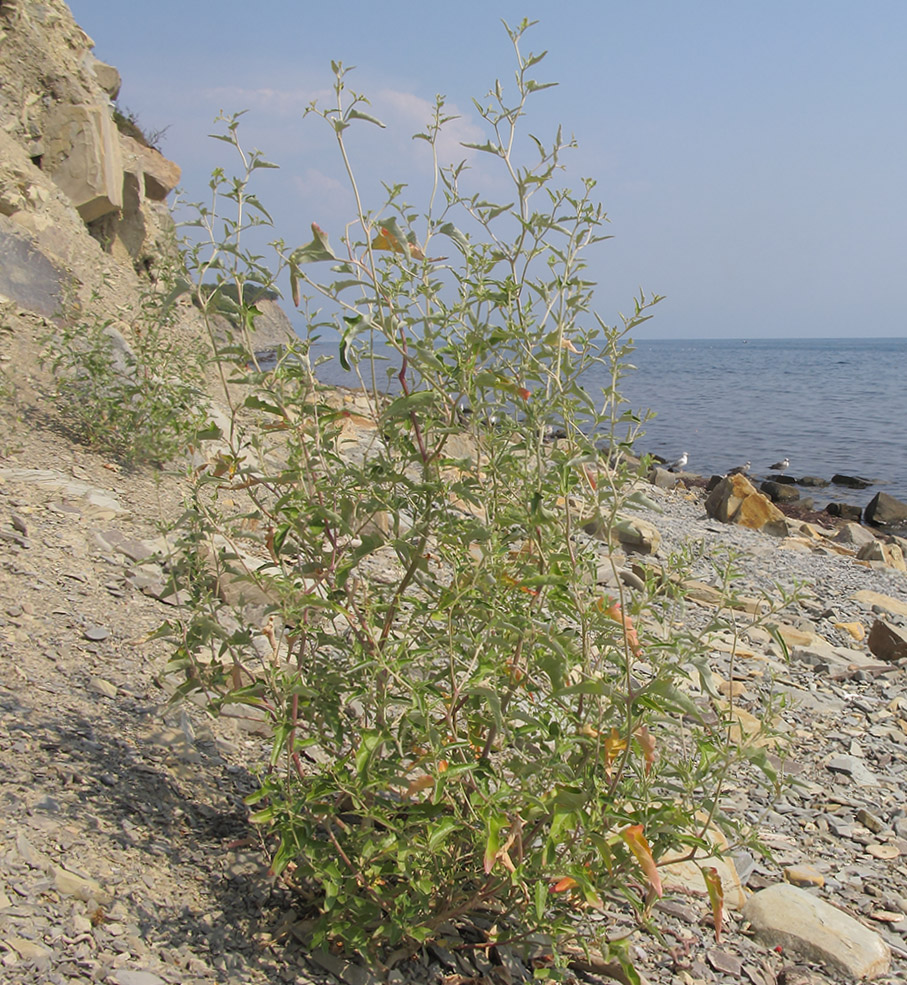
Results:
<point x="752" y="157"/>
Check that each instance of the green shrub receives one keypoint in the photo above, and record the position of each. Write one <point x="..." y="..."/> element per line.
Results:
<point x="127" y="388"/>
<point x="468" y="726"/>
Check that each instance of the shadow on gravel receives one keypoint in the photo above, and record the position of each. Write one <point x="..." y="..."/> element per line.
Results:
<point x="179" y="821"/>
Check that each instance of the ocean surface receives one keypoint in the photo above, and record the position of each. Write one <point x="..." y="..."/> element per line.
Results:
<point x="829" y="405"/>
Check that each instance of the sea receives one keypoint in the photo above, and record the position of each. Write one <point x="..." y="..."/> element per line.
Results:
<point x="831" y="406"/>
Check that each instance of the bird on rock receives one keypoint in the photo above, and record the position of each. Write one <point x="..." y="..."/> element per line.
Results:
<point x="741" y="469"/>
<point x="781" y="466"/>
<point x="679" y="464"/>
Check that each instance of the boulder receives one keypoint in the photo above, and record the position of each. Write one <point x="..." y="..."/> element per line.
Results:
<point x="786" y="917"/>
<point x="825" y="658"/>
<point x="108" y="77"/>
<point x="845" y="511"/>
<point x="735" y="500"/>
<point x="887" y="642"/>
<point x="897" y="607"/>
<point x="813" y="481"/>
<point x="854" y="533"/>
<point x="894" y="557"/>
<point x="884" y="510"/>
<point x="872" y="551"/>
<point x="632" y="533"/>
<point x="779" y="492"/>
<point x="851" y="481"/>
<point x="662" y="478"/>
<point x="27" y="275"/>
<point x="83" y="156"/>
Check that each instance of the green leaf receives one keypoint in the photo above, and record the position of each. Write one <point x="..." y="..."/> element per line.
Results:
<point x="449" y="229"/>
<point x="355" y="114"/>
<point x="488" y="147"/>
<point x="254" y="402"/>
<point x="318" y="250"/>
<point x="440" y="832"/>
<point x="541" y="899"/>
<point x="407" y="404"/>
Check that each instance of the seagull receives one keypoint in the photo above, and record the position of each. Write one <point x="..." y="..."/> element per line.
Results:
<point x="679" y="464"/>
<point x="741" y="469"/>
<point x="781" y="466"/>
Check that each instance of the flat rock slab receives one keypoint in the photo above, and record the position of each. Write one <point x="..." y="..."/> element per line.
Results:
<point x="896" y="606"/>
<point x="817" y="931"/>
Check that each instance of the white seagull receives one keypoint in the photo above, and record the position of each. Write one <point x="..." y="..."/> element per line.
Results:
<point x="781" y="466"/>
<point x="741" y="469"/>
<point x="679" y="464"/>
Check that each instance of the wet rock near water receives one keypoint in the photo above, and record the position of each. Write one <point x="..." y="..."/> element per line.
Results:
<point x="885" y="510"/>
<point x="779" y="492"/>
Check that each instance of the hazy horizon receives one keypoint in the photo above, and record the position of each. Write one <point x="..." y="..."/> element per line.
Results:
<point x="750" y="157"/>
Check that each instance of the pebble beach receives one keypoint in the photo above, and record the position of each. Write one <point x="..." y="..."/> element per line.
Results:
<point x="125" y="852"/>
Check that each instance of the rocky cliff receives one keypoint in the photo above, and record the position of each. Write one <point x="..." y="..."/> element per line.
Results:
<point x="84" y="217"/>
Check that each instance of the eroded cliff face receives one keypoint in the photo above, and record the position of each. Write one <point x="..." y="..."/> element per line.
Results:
<point x="82" y="206"/>
<point x="85" y="226"/>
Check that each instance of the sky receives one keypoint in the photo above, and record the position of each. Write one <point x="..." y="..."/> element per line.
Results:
<point x="751" y="157"/>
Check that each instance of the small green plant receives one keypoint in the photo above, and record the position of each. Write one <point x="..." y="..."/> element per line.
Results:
<point x="473" y="721"/>
<point x="128" y="389"/>
<point x="127" y="122"/>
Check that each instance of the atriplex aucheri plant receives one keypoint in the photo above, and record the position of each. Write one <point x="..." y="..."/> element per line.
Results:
<point x="469" y="726"/>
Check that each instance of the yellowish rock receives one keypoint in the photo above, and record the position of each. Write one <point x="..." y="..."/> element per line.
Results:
<point x="686" y="877"/>
<point x="793" y="636"/>
<point x="746" y="727"/>
<point x="856" y="629"/>
<point x="803" y="875"/>
<point x="69" y="884"/>
<point x="894" y="557"/>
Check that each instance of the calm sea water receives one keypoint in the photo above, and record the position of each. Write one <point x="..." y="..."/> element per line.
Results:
<point x="829" y="405"/>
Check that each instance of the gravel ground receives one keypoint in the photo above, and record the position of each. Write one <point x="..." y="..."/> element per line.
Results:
<point x="125" y="853"/>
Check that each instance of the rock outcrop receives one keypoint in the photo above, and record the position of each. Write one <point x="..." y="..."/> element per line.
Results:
<point x="67" y="170"/>
<point x="735" y="500"/>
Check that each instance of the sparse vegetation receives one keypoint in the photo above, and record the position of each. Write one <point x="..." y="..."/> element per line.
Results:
<point x="127" y="123"/>
<point x="129" y="389"/>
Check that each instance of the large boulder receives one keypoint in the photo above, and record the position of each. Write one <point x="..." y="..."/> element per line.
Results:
<point x="632" y="533"/>
<point x="27" y="276"/>
<point x="158" y="176"/>
<point x="786" y="917"/>
<point x="885" y="510"/>
<point x="856" y="534"/>
<point x="779" y="492"/>
<point x="845" y="511"/>
<point x="851" y="481"/>
<point x="887" y="642"/>
<point x="735" y="500"/>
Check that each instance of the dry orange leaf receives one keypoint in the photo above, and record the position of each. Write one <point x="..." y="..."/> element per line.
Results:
<point x="636" y="841"/>
<point x="647" y="741"/>
<point x="419" y="784"/>
<point x="565" y="884"/>
<point x="615" y="744"/>
<point x="716" y="897"/>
